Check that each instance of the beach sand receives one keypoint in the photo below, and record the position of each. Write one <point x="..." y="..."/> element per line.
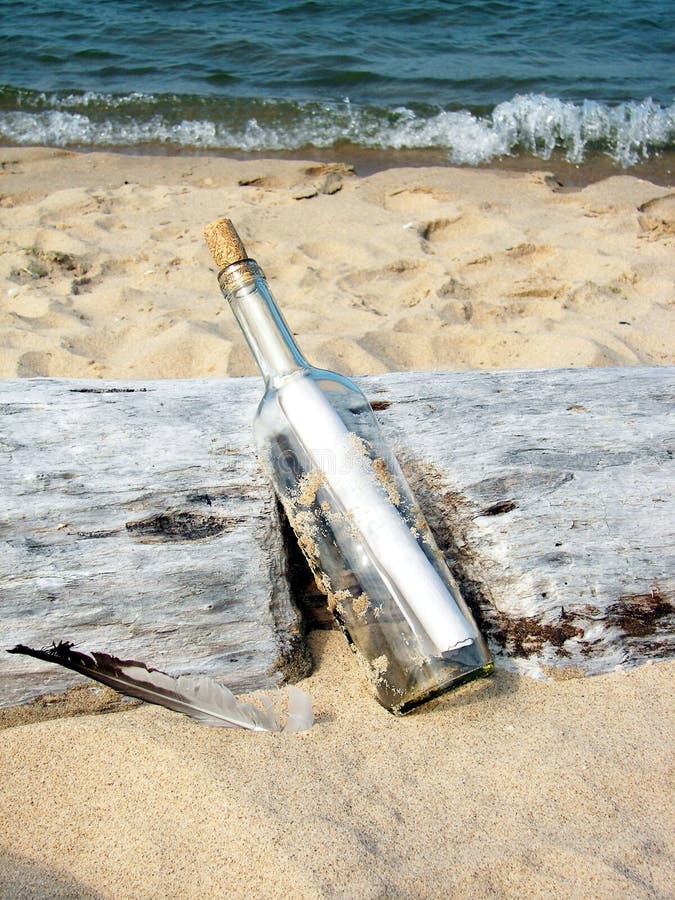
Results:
<point x="509" y="787"/>
<point x="105" y="271"/>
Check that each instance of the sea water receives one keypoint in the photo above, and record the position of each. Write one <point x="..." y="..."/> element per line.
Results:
<point x="472" y="81"/>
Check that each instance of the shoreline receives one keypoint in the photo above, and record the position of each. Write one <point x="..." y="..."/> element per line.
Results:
<point x="659" y="169"/>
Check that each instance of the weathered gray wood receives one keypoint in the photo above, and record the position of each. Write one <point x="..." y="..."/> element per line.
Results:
<point x="551" y="493"/>
<point x="136" y="520"/>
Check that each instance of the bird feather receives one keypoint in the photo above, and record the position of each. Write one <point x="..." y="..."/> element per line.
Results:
<point x="300" y="715"/>
<point x="200" y="697"/>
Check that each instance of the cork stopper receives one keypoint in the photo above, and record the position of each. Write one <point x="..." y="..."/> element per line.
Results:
<point x="224" y="243"/>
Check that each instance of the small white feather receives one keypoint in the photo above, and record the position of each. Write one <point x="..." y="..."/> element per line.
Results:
<point x="300" y="714"/>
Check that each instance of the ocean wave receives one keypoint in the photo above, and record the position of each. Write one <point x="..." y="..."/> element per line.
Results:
<point x="530" y="123"/>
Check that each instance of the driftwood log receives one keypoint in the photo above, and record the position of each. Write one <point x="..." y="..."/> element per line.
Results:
<point x="136" y="520"/>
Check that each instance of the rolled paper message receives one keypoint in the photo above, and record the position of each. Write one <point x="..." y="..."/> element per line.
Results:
<point x="421" y="594"/>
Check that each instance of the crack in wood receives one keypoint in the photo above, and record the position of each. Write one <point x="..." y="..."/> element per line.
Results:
<point x="108" y="390"/>
<point x="182" y="526"/>
<point x="498" y="509"/>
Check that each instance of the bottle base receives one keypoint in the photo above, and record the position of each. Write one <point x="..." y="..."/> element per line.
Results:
<point x="414" y="704"/>
<point x="400" y="698"/>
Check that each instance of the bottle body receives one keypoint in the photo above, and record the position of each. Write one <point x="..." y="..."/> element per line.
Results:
<point x="366" y="539"/>
<point x="355" y="517"/>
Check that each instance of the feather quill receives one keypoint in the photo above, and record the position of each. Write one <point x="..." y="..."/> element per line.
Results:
<point x="200" y="697"/>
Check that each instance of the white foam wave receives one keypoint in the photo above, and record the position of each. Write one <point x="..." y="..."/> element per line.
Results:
<point x="62" y="129"/>
<point x="33" y="99"/>
<point x="534" y="124"/>
<point x="538" y="125"/>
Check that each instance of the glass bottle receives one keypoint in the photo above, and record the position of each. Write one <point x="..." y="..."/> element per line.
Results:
<point x="355" y="517"/>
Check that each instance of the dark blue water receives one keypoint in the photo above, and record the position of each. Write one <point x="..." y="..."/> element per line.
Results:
<point x="477" y="80"/>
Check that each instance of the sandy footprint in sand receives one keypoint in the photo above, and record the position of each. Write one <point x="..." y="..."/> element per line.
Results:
<point x="383" y="289"/>
<point x="442" y="220"/>
<point x="332" y="251"/>
<point x="657" y="217"/>
<point x="33" y="364"/>
<point x="435" y="213"/>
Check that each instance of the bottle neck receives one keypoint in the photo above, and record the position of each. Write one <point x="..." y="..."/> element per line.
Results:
<point x="274" y="350"/>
